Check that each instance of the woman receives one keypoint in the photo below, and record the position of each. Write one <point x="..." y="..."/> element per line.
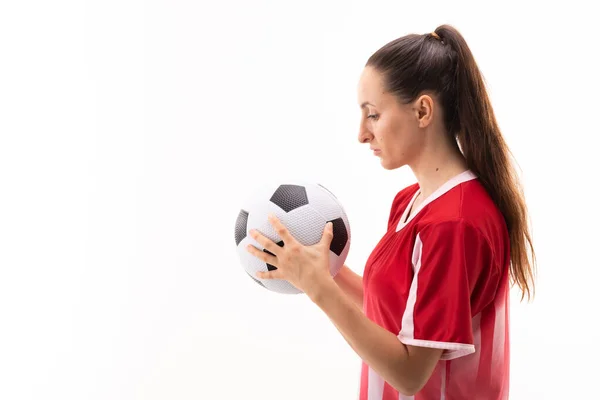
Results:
<point x="432" y="315"/>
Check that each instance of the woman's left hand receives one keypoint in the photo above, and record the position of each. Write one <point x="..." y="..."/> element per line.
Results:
<point x="305" y="267"/>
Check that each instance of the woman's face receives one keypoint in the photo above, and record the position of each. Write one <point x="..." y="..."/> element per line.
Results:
<point x="390" y="128"/>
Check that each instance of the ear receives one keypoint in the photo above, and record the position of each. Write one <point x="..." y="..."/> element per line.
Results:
<point x="423" y="108"/>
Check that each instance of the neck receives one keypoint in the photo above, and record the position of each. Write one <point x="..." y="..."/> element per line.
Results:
<point x="436" y="165"/>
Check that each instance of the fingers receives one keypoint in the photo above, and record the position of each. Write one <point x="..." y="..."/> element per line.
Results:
<point x="327" y="234"/>
<point x="265" y="242"/>
<point x="271" y="249"/>
<point x="270" y="274"/>
<point x="268" y="258"/>
<point x="281" y="230"/>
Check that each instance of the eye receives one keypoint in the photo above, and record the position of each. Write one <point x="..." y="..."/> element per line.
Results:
<point x="373" y="116"/>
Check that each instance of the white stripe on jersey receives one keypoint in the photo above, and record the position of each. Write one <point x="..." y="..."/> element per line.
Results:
<point x="375" y="387"/>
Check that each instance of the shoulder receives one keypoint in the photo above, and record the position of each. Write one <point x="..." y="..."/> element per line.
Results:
<point x="467" y="204"/>
<point x="468" y="213"/>
<point x="450" y="229"/>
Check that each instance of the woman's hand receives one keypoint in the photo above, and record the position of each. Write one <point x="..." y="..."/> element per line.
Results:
<point x="305" y="267"/>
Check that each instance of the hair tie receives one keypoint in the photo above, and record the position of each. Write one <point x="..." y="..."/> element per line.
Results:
<point x="435" y="35"/>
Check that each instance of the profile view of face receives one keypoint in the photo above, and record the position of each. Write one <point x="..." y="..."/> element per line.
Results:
<point x="388" y="126"/>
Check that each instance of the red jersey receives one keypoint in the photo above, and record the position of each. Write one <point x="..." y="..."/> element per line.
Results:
<point x="440" y="279"/>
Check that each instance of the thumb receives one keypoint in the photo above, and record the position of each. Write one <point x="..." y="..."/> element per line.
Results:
<point x="327" y="234"/>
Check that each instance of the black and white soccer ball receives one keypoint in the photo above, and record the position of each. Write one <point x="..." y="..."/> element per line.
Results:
<point x="304" y="208"/>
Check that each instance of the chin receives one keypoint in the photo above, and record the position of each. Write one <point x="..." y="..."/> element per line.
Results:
<point x="390" y="165"/>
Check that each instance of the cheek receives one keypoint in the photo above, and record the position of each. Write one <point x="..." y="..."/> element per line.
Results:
<point x="385" y="132"/>
<point x="398" y="142"/>
<point x="389" y="135"/>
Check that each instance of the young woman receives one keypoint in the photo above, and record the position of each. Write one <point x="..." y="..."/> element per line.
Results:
<point x="429" y="318"/>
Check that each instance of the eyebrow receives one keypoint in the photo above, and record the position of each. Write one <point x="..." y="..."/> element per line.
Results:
<point x="365" y="104"/>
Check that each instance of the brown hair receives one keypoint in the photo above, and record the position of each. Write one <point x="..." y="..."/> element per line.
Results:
<point x="442" y="62"/>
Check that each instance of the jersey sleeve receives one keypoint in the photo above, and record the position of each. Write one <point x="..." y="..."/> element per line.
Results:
<point x="450" y="259"/>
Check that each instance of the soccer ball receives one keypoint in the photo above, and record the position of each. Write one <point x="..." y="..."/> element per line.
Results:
<point x="304" y="208"/>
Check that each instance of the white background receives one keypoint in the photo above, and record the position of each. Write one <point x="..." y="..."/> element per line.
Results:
<point x="130" y="130"/>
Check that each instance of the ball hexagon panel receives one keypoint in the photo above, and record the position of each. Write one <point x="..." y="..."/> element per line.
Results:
<point x="327" y="204"/>
<point x="327" y="190"/>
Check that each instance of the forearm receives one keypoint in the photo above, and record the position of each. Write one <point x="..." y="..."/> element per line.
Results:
<point x="378" y="347"/>
<point x="351" y="284"/>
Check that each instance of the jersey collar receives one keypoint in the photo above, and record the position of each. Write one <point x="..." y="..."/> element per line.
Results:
<point x="450" y="184"/>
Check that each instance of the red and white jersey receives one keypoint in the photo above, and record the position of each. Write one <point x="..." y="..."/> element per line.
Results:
<point x="440" y="279"/>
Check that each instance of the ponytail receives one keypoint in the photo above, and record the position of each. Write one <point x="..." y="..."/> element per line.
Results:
<point x="443" y="62"/>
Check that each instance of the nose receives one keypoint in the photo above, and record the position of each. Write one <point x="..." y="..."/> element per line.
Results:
<point x="364" y="134"/>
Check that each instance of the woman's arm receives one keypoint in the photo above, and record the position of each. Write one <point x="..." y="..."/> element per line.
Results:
<point x="406" y="368"/>
<point x="351" y="284"/>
